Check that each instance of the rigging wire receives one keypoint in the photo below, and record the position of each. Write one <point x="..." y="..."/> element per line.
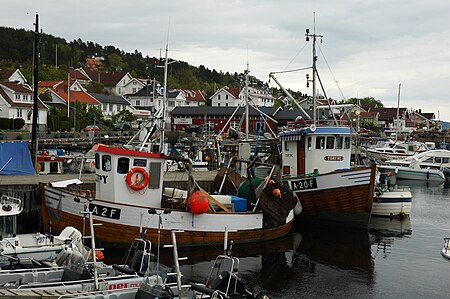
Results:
<point x="332" y="75"/>
<point x="295" y="56"/>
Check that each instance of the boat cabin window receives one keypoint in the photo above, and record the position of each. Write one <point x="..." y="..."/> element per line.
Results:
<point x="155" y="175"/>
<point x="428" y="160"/>
<point x="320" y="142"/>
<point x="97" y="160"/>
<point x="106" y="163"/>
<point x="123" y="165"/>
<point x="347" y="142"/>
<point x="330" y="142"/>
<point x="339" y="142"/>
<point x="286" y="145"/>
<point x="310" y="143"/>
<point x="444" y="159"/>
<point x="140" y="162"/>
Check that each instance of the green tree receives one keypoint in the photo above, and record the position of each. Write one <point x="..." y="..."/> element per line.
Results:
<point x="123" y="115"/>
<point x="115" y="62"/>
<point x="367" y="101"/>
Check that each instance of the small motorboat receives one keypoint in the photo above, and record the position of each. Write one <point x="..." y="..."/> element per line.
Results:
<point x="446" y="250"/>
<point x="391" y="201"/>
<point x="36" y="247"/>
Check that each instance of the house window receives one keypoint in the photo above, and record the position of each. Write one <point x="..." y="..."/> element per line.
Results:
<point x="226" y="97"/>
<point x="19" y="112"/>
<point x="218" y="104"/>
<point x="105" y="107"/>
<point x="24" y="97"/>
<point x="218" y="97"/>
<point x="226" y="104"/>
<point x="138" y="103"/>
<point x="18" y="97"/>
<point x="110" y="107"/>
<point x="134" y="90"/>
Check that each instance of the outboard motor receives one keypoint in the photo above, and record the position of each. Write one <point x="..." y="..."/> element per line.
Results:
<point x="446" y="171"/>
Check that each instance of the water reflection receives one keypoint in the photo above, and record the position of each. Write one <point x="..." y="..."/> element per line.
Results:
<point x="384" y="231"/>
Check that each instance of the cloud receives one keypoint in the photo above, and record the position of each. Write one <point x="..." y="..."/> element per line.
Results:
<point x="368" y="47"/>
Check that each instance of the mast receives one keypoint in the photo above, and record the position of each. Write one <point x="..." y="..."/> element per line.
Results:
<point x="163" y="122"/>
<point x="398" y="109"/>
<point x="247" y="116"/>
<point x="314" y="70"/>
<point x="35" y="92"/>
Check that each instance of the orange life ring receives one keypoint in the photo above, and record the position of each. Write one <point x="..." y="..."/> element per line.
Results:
<point x="137" y="184"/>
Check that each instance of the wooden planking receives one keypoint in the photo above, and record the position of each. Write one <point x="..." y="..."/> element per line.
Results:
<point x="124" y="234"/>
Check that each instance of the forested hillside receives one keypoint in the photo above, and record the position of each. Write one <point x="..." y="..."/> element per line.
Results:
<point x="16" y="51"/>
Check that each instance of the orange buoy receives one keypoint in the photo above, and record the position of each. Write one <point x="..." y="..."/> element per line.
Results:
<point x="99" y="255"/>
<point x="276" y="192"/>
<point x="198" y="202"/>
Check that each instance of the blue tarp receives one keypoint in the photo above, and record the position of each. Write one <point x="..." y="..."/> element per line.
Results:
<point x="15" y="159"/>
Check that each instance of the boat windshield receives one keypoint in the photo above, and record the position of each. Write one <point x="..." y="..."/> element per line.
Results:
<point x="8" y="226"/>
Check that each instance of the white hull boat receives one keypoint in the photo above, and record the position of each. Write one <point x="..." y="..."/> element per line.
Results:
<point x="414" y="173"/>
<point x="34" y="246"/>
<point x="395" y="202"/>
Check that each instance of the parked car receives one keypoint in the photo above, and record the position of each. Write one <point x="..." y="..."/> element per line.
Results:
<point x="91" y="128"/>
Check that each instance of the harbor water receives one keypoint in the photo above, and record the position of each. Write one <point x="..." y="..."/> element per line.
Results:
<point x="394" y="259"/>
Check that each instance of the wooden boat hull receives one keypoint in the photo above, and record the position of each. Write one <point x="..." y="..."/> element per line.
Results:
<point x="342" y="198"/>
<point x="61" y="208"/>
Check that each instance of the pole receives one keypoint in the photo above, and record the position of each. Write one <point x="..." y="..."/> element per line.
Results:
<point x="247" y="116"/>
<point x="68" y="95"/>
<point x="35" y="92"/>
<point x="163" y="125"/>
<point x="398" y="110"/>
<point x="314" y="80"/>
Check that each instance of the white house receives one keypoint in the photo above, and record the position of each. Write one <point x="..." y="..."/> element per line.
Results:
<point x="117" y="83"/>
<point x="226" y="97"/>
<point x="16" y="101"/>
<point x="192" y="97"/>
<point x="112" y="104"/>
<point x="147" y="98"/>
<point x="12" y="76"/>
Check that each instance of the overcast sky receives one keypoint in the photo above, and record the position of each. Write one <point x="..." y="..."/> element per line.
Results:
<point x="368" y="47"/>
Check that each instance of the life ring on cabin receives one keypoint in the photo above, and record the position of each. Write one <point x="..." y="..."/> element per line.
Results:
<point x="138" y="183"/>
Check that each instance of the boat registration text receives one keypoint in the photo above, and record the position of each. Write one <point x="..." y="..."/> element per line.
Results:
<point x="304" y="184"/>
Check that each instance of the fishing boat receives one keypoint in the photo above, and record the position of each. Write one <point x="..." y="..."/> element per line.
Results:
<point x="32" y="247"/>
<point x="316" y="165"/>
<point x="130" y="198"/>
<point x="391" y="201"/>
